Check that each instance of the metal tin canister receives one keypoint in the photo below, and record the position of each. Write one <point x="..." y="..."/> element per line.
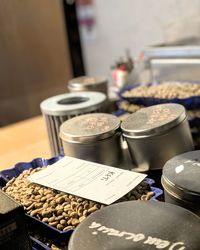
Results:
<point x="138" y="225"/>
<point x="93" y="137"/>
<point x="86" y="83"/>
<point x="60" y="108"/>
<point x="181" y="181"/>
<point x="155" y="134"/>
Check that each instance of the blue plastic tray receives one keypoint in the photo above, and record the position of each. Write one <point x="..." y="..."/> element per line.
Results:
<point x="8" y="174"/>
<point x="192" y="102"/>
<point x="38" y="245"/>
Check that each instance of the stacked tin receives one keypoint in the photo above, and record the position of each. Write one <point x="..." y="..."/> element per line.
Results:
<point x="60" y="108"/>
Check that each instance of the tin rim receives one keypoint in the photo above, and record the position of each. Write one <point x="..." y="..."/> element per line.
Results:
<point x="78" y="83"/>
<point x="89" y="139"/>
<point x="68" y="136"/>
<point x="179" y="192"/>
<point x="157" y="130"/>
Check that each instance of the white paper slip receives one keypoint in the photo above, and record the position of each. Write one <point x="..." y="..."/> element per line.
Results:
<point x="88" y="180"/>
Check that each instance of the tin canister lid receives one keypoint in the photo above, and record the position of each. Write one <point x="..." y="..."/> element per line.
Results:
<point x="70" y="103"/>
<point x="86" y="81"/>
<point x="138" y="225"/>
<point x="153" y="120"/>
<point x="181" y="176"/>
<point x="89" y="127"/>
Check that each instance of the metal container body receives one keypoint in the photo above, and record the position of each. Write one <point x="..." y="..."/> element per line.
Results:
<point x="175" y="69"/>
<point x="106" y="151"/>
<point x="98" y="84"/>
<point x="173" y="199"/>
<point x="155" y="134"/>
<point x="152" y="152"/>
<point x="93" y="137"/>
<point x="170" y="63"/>
<point x="60" y="108"/>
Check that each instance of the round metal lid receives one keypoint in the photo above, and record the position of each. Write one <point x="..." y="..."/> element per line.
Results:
<point x="153" y="120"/>
<point x="89" y="127"/>
<point x="72" y="102"/>
<point x="138" y="225"/>
<point x="181" y="175"/>
<point x="86" y="81"/>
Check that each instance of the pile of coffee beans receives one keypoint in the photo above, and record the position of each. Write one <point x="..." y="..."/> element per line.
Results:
<point x="166" y="90"/>
<point x="131" y="108"/>
<point x="58" y="209"/>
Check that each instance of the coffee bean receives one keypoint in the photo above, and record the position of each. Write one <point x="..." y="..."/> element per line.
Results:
<point x="67" y="228"/>
<point x="60" y="227"/>
<point x="53" y="223"/>
<point x="166" y="90"/>
<point x="75" y="222"/>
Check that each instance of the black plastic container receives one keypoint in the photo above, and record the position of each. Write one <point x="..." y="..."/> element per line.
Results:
<point x="181" y="181"/>
<point x="13" y="230"/>
<point x="138" y="225"/>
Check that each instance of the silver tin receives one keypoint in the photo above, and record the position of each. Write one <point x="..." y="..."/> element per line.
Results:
<point x="155" y="134"/>
<point x="86" y="83"/>
<point x="60" y="108"/>
<point x="93" y="137"/>
<point x="181" y="181"/>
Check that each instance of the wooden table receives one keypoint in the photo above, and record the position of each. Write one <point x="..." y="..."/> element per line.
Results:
<point x="23" y="141"/>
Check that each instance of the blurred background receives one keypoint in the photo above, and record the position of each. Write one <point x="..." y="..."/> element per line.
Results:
<point x="45" y="43"/>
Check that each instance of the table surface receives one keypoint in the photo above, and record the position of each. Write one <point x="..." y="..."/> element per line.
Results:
<point x="23" y="141"/>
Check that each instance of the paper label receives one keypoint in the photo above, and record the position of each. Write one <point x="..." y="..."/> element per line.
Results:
<point x="88" y="180"/>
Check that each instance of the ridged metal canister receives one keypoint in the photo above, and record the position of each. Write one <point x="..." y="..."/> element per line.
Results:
<point x="86" y="83"/>
<point x="93" y="137"/>
<point x="181" y="181"/>
<point x="60" y="108"/>
<point x="155" y="134"/>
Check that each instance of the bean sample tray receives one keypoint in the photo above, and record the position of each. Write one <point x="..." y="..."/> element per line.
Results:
<point x="15" y="171"/>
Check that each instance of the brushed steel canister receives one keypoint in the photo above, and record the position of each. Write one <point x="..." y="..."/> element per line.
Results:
<point x="155" y="134"/>
<point x="88" y="83"/>
<point x="93" y="137"/>
<point x="60" y="108"/>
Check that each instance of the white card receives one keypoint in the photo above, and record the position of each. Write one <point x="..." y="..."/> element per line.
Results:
<point x="88" y="180"/>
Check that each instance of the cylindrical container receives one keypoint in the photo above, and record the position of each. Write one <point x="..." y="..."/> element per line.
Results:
<point x="155" y="134"/>
<point x="86" y="83"/>
<point x="60" y="108"/>
<point x="138" y="225"/>
<point x="181" y="181"/>
<point x="93" y="137"/>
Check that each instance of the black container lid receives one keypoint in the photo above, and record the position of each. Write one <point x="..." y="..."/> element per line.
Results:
<point x="153" y="120"/>
<point x="181" y="176"/>
<point x="89" y="127"/>
<point x="138" y="225"/>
